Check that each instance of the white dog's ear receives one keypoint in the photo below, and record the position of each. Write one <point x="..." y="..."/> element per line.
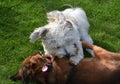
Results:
<point x="56" y="16"/>
<point x="69" y="24"/>
<point x="52" y="16"/>
<point x="37" y="33"/>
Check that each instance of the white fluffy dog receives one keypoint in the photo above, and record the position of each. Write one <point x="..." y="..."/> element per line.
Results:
<point x="63" y="34"/>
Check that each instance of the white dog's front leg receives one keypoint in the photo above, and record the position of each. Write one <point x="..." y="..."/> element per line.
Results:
<point x="76" y="59"/>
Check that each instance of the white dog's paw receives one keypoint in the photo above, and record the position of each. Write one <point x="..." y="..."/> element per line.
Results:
<point x="75" y="60"/>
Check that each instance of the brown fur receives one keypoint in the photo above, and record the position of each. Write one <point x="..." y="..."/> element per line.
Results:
<point x="31" y="69"/>
<point x="102" y="69"/>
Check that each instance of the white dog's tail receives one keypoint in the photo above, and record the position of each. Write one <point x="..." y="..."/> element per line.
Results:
<point x="65" y="6"/>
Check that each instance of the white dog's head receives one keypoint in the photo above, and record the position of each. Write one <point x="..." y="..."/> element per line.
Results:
<point x="57" y="31"/>
<point x="54" y="32"/>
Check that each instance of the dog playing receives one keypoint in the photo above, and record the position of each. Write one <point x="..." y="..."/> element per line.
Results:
<point x="104" y="68"/>
<point x="63" y="34"/>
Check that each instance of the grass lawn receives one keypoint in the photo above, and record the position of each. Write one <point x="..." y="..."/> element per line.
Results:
<point x="18" y="18"/>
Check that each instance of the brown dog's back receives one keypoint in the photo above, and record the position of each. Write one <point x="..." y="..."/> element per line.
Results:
<point x="94" y="71"/>
<point x="104" y="68"/>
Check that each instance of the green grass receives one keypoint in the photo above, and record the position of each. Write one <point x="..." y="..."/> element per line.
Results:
<point x="18" y="18"/>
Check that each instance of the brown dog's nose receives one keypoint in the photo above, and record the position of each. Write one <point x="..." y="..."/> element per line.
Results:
<point x="15" y="77"/>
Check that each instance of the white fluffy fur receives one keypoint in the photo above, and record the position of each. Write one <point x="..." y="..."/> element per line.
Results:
<point x="65" y="30"/>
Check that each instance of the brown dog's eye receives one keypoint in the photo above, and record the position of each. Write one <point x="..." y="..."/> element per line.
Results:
<point x="33" y="66"/>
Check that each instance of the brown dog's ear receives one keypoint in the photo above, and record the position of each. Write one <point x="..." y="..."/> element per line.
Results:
<point x="38" y="52"/>
<point x="26" y="60"/>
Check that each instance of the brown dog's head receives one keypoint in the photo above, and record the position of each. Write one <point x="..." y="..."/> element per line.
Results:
<point x="31" y="69"/>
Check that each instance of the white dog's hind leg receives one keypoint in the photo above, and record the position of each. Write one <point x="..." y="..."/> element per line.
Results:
<point x="90" y="51"/>
<point x="76" y="59"/>
<point x="86" y="37"/>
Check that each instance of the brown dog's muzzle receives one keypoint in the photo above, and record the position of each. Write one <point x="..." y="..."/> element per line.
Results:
<point x="31" y="69"/>
<point x="25" y="75"/>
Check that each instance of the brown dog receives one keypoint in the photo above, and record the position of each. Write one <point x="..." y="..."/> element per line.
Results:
<point x="102" y="69"/>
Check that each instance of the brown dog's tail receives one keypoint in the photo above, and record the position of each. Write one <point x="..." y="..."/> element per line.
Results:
<point x="87" y="45"/>
<point x="98" y="51"/>
<point x="101" y="53"/>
